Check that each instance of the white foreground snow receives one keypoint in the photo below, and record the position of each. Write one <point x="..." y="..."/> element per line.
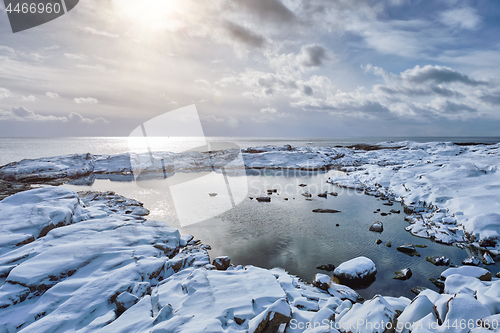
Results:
<point x="102" y="267"/>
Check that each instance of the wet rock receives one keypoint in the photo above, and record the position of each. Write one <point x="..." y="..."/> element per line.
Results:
<point x="264" y="199"/>
<point x="438" y="261"/>
<point x="302" y="185"/>
<point x="437" y="283"/>
<point x="322" y="281"/>
<point x="222" y="263"/>
<point x="497" y="274"/>
<point x="395" y="211"/>
<point x="471" y="261"/>
<point x="212" y="194"/>
<point x="337" y="225"/>
<point x="327" y="267"/>
<point x="324" y="210"/>
<point x="334" y="194"/>
<point x="323" y="195"/>
<point x="378" y="210"/>
<point x="418" y="289"/>
<point x="388" y="244"/>
<point x="307" y="194"/>
<point x="421" y="246"/>
<point x="487" y="243"/>
<point x="388" y="204"/>
<point x="408" y="249"/>
<point x="377" y="227"/>
<point x="403" y="274"/>
<point x="384" y="214"/>
<point x="378" y="241"/>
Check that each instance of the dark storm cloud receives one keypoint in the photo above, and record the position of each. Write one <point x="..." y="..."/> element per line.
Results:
<point x="439" y="75"/>
<point x="313" y="55"/>
<point x="308" y="91"/>
<point x="244" y="35"/>
<point x="491" y="98"/>
<point x="269" y="10"/>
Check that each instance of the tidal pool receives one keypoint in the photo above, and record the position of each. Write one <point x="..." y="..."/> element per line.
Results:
<point x="286" y="233"/>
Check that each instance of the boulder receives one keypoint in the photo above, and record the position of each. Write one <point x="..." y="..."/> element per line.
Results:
<point x="487" y="259"/>
<point x="307" y="194"/>
<point x="323" y="195"/>
<point x="264" y="199"/>
<point x="360" y="268"/>
<point x="212" y="194"/>
<point x="477" y="272"/>
<point x="378" y="241"/>
<point x="471" y="261"/>
<point x="222" y="263"/>
<point x="334" y="194"/>
<point x="388" y="244"/>
<point x="395" y="211"/>
<point x="322" y="281"/>
<point x="417" y="289"/>
<point x="327" y="267"/>
<point x="377" y="227"/>
<point x="403" y="274"/>
<point x="272" y="318"/>
<point x="438" y="261"/>
<point x="377" y="312"/>
<point x="408" y="249"/>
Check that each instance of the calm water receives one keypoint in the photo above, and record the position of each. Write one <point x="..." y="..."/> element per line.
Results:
<point x="286" y="233"/>
<point x="15" y="149"/>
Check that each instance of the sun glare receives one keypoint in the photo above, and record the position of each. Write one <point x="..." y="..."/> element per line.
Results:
<point x="152" y="14"/>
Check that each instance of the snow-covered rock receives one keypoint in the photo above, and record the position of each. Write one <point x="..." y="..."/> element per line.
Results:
<point x="375" y="315"/>
<point x="477" y="272"/>
<point x="355" y="269"/>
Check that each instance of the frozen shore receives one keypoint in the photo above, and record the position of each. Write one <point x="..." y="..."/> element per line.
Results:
<point x="452" y="190"/>
<point x="91" y="261"/>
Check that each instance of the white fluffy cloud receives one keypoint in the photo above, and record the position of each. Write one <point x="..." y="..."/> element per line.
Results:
<point x="52" y="95"/>
<point x="463" y="18"/>
<point x="86" y="100"/>
<point x="5" y="93"/>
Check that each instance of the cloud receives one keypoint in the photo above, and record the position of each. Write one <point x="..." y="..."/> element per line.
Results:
<point x="5" y="93"/>
<point x="52" y="95"/>
<point x="438" y="74"/>
<point x="88" y="100"/>
<point x="244" y="35"/>
<point x="268" y="110"/>
<point x="92" y="31"/>
<point x="463" y="18"/>
<point x="270" y="11"/>
<point x="24" y="115"/>
<point x="73" y="56"/>
<point x="29" y="98"/>
<point x="99" y="68"/>
<point x="312" y="55"/>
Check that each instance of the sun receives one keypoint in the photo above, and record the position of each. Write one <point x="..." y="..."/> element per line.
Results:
<point x="151" y="14"/>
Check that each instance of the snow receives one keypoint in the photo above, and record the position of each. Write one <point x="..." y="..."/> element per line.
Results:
<point x="357" y="268"/>
<point x="478" y="272"/>
<point x="373" y="316"/>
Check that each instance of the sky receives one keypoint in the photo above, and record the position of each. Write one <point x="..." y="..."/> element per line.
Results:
<point x="257" y="68"/>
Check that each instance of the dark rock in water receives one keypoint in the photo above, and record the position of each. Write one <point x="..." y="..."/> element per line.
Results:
<point x="251" y="198"/>
<point x="323" y="195"/>
<point x="421" y="246"/>
<point x="309" y="199"/>
<point x="437" y="283"/>
<point x="302" y="185"/>
<point x="384" y="214"/>
<point x="222" y="263"/>
<point x="378" y="241"/>
<point x="322" y="210"/>
<point x="286" y="199"/>
<point x="403" y="274"/>
<point x="307" y="194"/>
<point x="377" y="227"/>
<point x="471" y="261"/>
<point x="408" y="249"/>
<point x="395" y="211"/>
<point x="497" y="274"/>
<point x="388" y="204"/>
<point x="438" y="261"/>
<point x="378" y="210"/>
<point x="264" y="199"/>
<point x="327" y="267"/>
<point x="388" y="244"/>
<point x="375" y="212"/>
<point x="418" y="289"/>
<point x="334" y="194"/>
<point x="487" y="243"/>
<point x="212" y="194"/>
<point x="337" y="225"/>
<point x="272" y="191"/>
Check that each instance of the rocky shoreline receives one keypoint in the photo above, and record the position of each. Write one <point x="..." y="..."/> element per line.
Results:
<point x="91" y="261"/>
